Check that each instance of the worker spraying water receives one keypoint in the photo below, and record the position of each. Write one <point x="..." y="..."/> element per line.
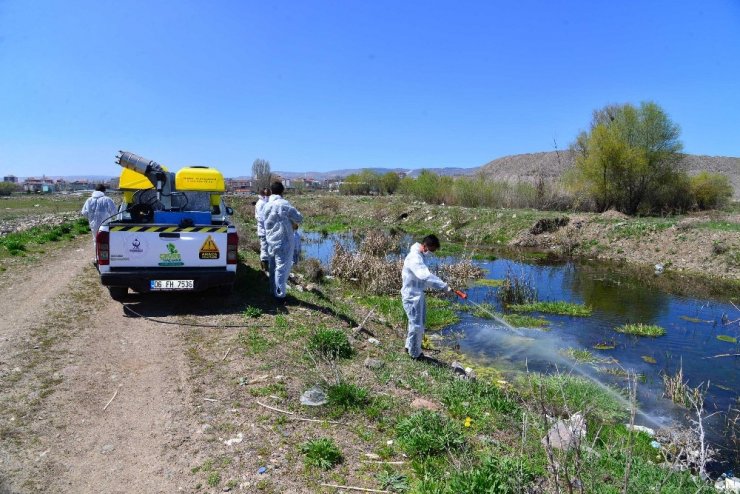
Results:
<point x="416" y="278"/>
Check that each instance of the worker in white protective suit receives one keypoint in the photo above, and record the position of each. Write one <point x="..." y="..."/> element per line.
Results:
<point x="416" y="278"/>
<point x="264" y="197"/>
<point x="98" y="208"/>
<point x="279" y="217"/>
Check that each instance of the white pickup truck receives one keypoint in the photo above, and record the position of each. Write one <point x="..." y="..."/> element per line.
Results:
<point x="172" y="232"/>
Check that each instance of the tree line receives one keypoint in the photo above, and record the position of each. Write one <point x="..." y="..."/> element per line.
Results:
<point x="630" y="159"/>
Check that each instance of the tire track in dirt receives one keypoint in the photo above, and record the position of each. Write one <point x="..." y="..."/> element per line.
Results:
<point x="131" y="446"/>
<point x="25" y="290"/>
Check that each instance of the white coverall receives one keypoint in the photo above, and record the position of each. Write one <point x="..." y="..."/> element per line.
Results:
<point x="279" y="216"/>
<point x="97" y="209"/>
<point x="261" y="226"/>
<point x="416" y="277"/>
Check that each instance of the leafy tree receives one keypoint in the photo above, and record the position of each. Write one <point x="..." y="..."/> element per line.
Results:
<point x="261" y="173"/>
<point x="354" y="184"/>
<point x="7" y="188"/>
<point x="710" y="190"/>
<point x="629" y="157"/>
<point x="389" y="182"/>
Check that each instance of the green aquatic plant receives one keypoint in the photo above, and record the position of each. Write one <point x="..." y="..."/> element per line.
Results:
<point x="605" y="345"/>
<point x="561" y="308"/>
<point x="640" y="329"/>
<point x="586" y="357"/>
<point x="648" y="359"/>
<point x="727" y="338"/>
<point x="524" y="321"/>
<point x="489" y="283"/>
<point x="695" y="319"/>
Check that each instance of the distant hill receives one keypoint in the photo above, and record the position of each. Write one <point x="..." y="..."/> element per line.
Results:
<point x="452" y="171"/>
<point x="552" y="164"/>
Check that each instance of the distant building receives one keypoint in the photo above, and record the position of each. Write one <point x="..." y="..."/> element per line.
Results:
<point x="40" y="185"/>
<point x="10" y="178"/>
<point x="239" y="185"/>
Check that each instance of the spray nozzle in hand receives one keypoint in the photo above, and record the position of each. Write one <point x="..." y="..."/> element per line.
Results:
<point x="459" y="293"/>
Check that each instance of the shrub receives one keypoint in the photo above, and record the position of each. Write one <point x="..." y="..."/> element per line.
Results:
<point x="711" y="190"/>
<point x="346" y="396"/>
<point x="252" y="312"/>
<point x="331" y="343"/>
<point x="322" y="453"/>
<point x="312" y="269"/>
<point x="427" y="433"/>
<point x="517" y="289"/>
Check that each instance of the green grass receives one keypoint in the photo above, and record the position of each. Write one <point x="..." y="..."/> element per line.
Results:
<point x="525" y="321"/>
<point x="18" y="243"/>
<point x="563" y="394"/>
<point x="346" y="396"/>
<point x="440" y="312"/>
<point x="634" y="228"/>
<point x="640" y="329"/>
<point x="727" y="338"/>
<point x="22" y="205"/>
<point x="484" y="403"/>
<point x="331" y="343"/>
<point x="252" y="312"/>
<point x="493" y="473"/>
<point x="428" y="433"/>
<point x="722" y="226"/>
<point x="253" y="341"/>
<point x="561" y="308"/>
<point x="322" y="453"/>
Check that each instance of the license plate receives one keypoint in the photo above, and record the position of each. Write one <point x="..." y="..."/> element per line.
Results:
<point x="171" y="285"/>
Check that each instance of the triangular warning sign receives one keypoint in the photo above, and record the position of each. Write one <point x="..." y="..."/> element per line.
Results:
<point x="208" y="250"/>
<point x="209" y="245"/>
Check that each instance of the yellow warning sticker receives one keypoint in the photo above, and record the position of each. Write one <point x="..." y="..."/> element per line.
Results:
<point x="209" y="250"/>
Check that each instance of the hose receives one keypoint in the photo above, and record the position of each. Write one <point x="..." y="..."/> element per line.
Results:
<point x="127" y="308"/>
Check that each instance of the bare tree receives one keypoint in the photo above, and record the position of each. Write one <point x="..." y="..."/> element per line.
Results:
<point x="261" y="173"/>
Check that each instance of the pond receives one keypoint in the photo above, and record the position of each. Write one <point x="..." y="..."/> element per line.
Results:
<point x="692" y="324"/>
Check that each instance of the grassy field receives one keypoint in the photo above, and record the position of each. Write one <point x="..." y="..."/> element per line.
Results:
<point x="23" y="205"/>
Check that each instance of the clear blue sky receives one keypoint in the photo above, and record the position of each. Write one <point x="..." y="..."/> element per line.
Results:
<point x="322" y="85"/>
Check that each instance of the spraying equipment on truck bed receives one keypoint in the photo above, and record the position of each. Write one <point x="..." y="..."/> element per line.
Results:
<point x="172" y="231"/>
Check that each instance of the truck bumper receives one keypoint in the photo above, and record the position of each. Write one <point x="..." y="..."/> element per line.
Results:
<point x="140" y="281"/>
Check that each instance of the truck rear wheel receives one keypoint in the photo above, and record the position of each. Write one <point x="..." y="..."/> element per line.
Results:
<point x="118" y="293"/>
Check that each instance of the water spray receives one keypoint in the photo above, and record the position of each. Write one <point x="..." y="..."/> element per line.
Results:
<point x="499" y="320"/>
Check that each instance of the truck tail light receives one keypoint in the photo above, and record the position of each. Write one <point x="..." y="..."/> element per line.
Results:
<point x="232" y="248"/>
<point x="102" y="243"/>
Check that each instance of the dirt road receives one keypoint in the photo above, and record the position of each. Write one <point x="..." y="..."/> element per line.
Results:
<point x="90" y="400"/>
